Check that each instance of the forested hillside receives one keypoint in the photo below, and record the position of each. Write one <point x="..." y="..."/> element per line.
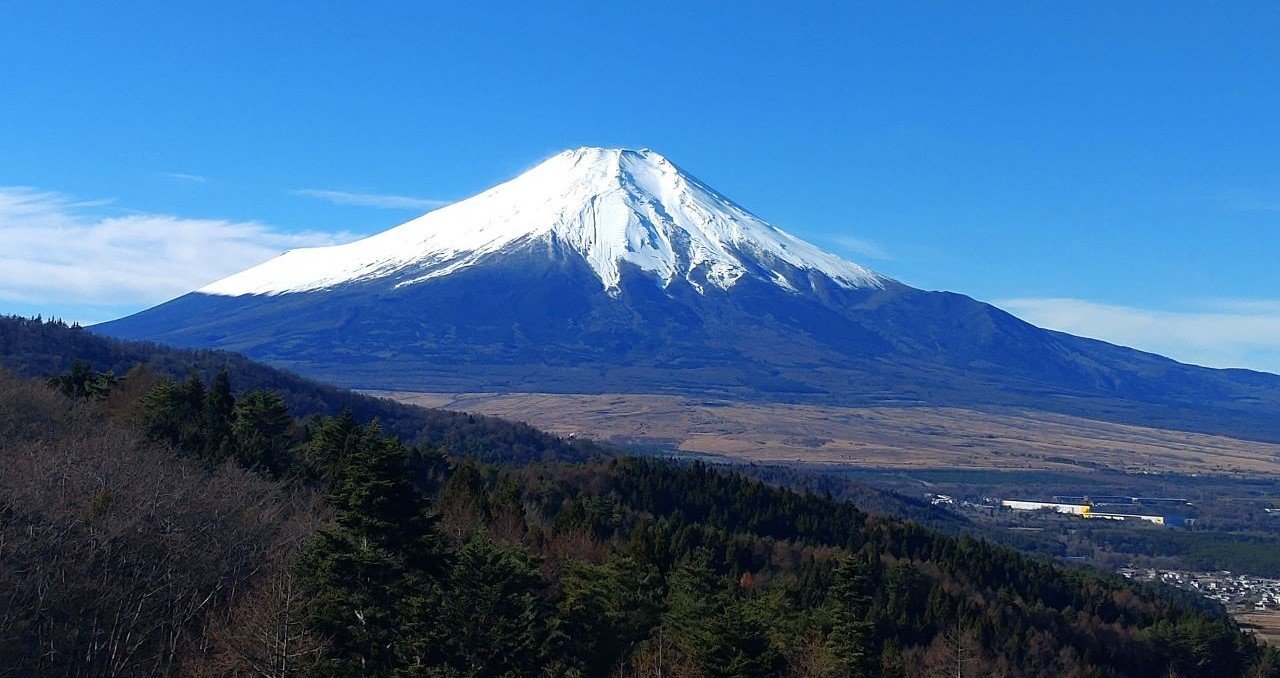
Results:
<point x="37" y="348"/>
<point x="160" y="527"/>
<point x="120" y="557"/>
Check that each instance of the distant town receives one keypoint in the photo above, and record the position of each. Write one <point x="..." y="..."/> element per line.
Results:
<point x="1232" y="590"/>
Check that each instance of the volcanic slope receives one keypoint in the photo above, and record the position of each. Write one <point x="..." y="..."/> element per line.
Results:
<point x="606" y="270"/>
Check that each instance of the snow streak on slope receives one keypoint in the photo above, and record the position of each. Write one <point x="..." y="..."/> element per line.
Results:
<point x="610" y="206"/>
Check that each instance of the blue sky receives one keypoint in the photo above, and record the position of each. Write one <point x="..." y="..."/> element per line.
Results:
<point x="1105" y="168"/>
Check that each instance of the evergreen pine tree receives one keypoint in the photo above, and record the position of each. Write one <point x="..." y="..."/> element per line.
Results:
<point x="373" y="576"/>
<point x="329" y="445"/>
<point x="848" y="602"/>
<point x="83" y="382"/>
<point x="260" y="432"/>
<point x="607" y="609"/>
<point x="174" y="414"/>
<point x="219" y="413"/>
<point x="693" y="599"/>
<point x="493" y="616"/>
<point x="739" y="645"/>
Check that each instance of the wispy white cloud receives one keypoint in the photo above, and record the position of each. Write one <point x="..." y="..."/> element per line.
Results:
<point x="59" y="252"/>
<point x="863" y="248"/>
<point x="381" y="201"/>
<point x="180" y="176"/>
<point x="1216" y="333"/>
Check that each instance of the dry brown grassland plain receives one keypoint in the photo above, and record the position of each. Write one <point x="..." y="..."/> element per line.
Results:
<point x="871" y="437"/>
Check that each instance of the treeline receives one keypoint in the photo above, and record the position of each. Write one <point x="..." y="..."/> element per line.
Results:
<point x="1201" y="550"/>
<point x="38" y="348"/>
<point x="871" y="499"/>
<point x="934" y="602"/>
<point x="416" y="562"/>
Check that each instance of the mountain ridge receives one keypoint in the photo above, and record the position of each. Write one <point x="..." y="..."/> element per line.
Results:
<point x="539" y="315"/>
<point x="37" y="348"/>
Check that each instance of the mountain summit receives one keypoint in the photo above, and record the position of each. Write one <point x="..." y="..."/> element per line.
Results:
<point x="615" y="208"/>
<point x="605" y="270"/>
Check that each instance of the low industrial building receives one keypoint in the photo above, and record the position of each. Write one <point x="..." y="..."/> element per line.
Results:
<point x="1158" y="520"/>
<point x="1086" y="511"/>
<point x="1020" y="505"/>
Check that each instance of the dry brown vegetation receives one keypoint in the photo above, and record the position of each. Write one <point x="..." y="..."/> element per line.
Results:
<point x="116" y="556"/>
<point x="884" y="437"/>
<point x="1264" y="624"/>
<point x="123" y="557"/>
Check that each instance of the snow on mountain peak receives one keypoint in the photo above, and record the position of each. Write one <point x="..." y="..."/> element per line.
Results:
<point x="611" y="206"/>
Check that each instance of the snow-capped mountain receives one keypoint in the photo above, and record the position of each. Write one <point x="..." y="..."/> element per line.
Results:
<point x="612" y="207"/>
<point x="605" y="270"/>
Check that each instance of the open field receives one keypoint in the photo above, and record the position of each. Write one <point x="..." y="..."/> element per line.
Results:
<point x="1263" y="623"/>
<point x="877" y="437"/>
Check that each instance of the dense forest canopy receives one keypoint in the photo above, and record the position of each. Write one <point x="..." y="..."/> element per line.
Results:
<point x="37" y="348"/>
<point x="152" y="525"/>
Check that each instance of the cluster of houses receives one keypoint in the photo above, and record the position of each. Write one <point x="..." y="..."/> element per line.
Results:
<point x="1237" y="590"/>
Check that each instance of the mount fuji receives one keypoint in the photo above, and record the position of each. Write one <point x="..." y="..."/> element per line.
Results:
<point x="612" y="208"/>
<point x="606" y="270"/>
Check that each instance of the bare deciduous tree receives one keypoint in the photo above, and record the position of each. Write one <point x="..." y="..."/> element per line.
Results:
<point x="953" y="654"/>
<point x="114" y="552"/>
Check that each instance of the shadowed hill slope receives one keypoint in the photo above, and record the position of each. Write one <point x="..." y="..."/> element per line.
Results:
<point x="42" y="349"/>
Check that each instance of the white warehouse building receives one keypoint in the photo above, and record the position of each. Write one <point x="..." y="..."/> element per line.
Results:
<point x="1019" y="505"/>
